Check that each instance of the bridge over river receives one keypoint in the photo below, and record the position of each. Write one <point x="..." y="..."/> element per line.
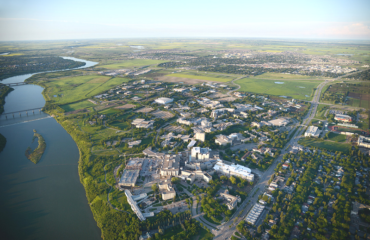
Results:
<point x="26" y="111"/>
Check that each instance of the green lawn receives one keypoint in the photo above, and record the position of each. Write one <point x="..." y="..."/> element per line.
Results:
<point x="204" y="76"/>
<point x="321" y="109"/>
<point x="330" y="146"/>
<point x="337" y="137"/>
<point x="73" y="89"/>
<point x="279" y="76"/>
<point x="120" y="125"/>
<point x="203" y="235"/>
<point x="294" y="88"/>
<point x="132" y="63"/>
<point x="77" y="105"/>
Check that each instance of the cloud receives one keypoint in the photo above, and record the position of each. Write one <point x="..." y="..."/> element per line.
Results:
<point x="354" y="30"/>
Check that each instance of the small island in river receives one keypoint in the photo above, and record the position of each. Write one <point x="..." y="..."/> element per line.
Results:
<point x="36" y="154"/>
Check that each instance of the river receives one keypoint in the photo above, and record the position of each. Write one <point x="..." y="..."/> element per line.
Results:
<point x="46" y="200"/>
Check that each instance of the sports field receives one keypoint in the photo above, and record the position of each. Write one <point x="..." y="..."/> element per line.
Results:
<point x="72" y="89"/>
<point x="214" y="77"/>
<point x="300" y="89"/>
<point x="337" y="137"/>
<point x="131" y="63"/>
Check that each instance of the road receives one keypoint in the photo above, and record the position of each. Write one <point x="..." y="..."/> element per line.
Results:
<point x="227" y="230"/>
<point x="229" y="92"/>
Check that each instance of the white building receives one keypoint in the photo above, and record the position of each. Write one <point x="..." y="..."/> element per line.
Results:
<point x="134" y="206"/>
<point x="200" y="136"/>
<point x="312" y="131"/>
<point x="181" y="90"/>
<point x="198" y="153"/>
<point x="234" y="170"/>
<point x="363" y="142"/>
<point x="164" y="100"/>
<point x="280" y="122"/>
<point x="167" y="191"/>
<point x="232" y="200"/>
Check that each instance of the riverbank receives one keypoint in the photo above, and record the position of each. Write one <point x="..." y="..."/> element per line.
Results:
<point x="35" y="156"/>
<point x="4" y="91"/>
<point x="2" y="142"/>
<point x="49" y="201"/>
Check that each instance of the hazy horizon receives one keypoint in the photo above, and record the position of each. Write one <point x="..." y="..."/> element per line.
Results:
<point x="22" y="20"/>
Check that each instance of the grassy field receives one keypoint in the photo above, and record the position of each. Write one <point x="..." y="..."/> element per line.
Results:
<point x="337" y="137"/>
<point x="321" y="109"/>
<point x="296" y="89"/>
<point x="131" y="63"/>
<point x="279" y="76"/>
<point x="203" y="76"/>
<point x="327" y="145"/>
<point x="77" y="105"/>
<point x="68" y="90"/>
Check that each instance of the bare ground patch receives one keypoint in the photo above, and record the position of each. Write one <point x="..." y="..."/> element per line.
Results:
<point x="162" y="114"/>
<point x="174" y="128"/>
<point x="145" y="110"/>
<point x="126" y="106"/>
<point x="226" y="99"/>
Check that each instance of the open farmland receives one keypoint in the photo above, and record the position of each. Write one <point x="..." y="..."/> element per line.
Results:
<point x="213" y="77"/>
<point x="296" y="89"/>
<point x="68" y="90"/>
<point x="353" y="94"/>
<point x="131" y="63"/>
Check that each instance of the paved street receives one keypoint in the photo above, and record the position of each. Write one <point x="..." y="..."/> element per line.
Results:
<point x="229" y="228"/>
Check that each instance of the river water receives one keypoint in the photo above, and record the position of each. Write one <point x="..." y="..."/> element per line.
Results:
<point x="46" y="200"/>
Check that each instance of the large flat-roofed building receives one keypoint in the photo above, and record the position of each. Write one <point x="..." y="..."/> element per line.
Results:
<point x="129" y="178"/>
<point x="198" y="153"/>
<point x="343" y="118"/>
<point x="200" y="136"/>
<point x="312" y="131"/>
<point x="142" y="123"/>
<point x="254" y="213"/>
<point x="232" y="200"/>
<point x="164" y="100"/>
<point x="131" y="172"/>
<point x="223" y="140"/>
<point x="170" y="165"/>
<point x="279" y="122"/>
<point x="363" y="141"/>
<point x="167" y="191"/>
<point x="134" y="206"/>
<point x="234" y="170"/>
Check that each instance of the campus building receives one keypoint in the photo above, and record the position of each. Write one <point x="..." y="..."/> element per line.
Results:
<point x="167" y="191"/>
<point x="232" y="200"/>
<point x="363" y="141"/>
<point x="234" y="170"/>
<point x="164" y="100"/>
<point x="343" y="118"/>
<point x="312" y="131"/>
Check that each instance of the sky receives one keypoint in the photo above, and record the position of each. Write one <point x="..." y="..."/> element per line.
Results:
<point x="81" y="19"/>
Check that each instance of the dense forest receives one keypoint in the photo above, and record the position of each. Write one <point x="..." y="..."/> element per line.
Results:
<point x="23" y="64"/>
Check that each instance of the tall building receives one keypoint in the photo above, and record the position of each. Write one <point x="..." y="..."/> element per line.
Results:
<point x="200" y="136"/>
